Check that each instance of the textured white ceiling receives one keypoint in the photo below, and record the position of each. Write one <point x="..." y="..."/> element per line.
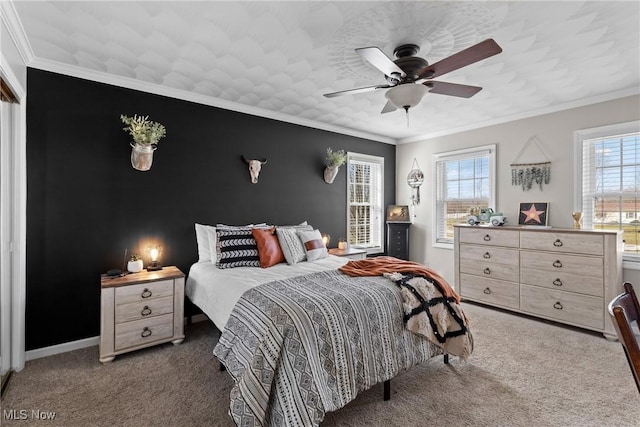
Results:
<point x="277" y="59"/>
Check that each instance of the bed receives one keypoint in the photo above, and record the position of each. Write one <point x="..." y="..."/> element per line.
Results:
<point x="302" y="340"/>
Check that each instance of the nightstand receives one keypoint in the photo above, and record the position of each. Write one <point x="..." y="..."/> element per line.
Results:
<point x="141" y="310"/>
<point x="349" y="253"/>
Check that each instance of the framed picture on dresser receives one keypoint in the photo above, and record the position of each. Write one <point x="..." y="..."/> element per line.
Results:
<point x="398" y="213"/>
<point x="533" y="213"/>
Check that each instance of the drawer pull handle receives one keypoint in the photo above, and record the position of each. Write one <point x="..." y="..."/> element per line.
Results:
<point x="557" y="282"/>
<point x="146" y="293"/>
<point x="486" y="238"/>
<point x="145" y="332"/>
<point x="487" y="291"/>
<point x="557" y="264"/>
<point x="558" y="305"/>
<point x="487" y="271"/>
<point x="486" y="255"/>
<point x="146" y="311"/>
<point x="557" y="243"/>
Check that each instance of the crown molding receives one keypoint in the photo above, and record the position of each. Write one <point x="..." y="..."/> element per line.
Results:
<point x="527" y="114"/>
<point x="130" y="83"/>
<point x="15" y="29"/>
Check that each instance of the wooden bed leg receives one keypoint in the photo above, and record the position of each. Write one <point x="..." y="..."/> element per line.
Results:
<point x="446" y="358"/>
<point x="387" y="390"/>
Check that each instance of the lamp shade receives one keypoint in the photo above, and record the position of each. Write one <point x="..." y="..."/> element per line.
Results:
<point x="406" y="95"/>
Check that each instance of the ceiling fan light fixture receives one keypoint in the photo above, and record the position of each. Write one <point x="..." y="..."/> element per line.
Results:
<point x="407" y="95"/>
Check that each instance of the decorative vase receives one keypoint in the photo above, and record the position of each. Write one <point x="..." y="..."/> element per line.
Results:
<point x="134" y="266"/>
<point x="577" y="219"/>
<point x="142" y="156"/>
<point x="330" y="173"/>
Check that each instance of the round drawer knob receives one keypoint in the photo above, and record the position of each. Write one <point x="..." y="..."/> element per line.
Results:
<point x="486" y="238"/>
<point x="557" y="282"/>
<point x="486" y="255"/>
<point x="146" y="293"/>
<point x="145" y="332"/>
<point x="487" y="291"/>
<point x="487" y="270"/>
<point x="557" y="264"/>
<point x="557" y="243"/>
<point x="146" y="311"/>
<point x="558" y="305"/>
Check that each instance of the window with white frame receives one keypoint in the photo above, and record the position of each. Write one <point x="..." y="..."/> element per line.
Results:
<point x="365" y="201"/>
<point x="608" y="181"/>
<point x="464" y="179"/>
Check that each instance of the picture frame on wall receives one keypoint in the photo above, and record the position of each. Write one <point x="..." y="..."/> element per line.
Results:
<point x="398" y="213"/>
<point x="533" y="214"/>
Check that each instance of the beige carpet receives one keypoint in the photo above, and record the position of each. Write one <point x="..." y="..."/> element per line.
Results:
<point x="523" y="372"/>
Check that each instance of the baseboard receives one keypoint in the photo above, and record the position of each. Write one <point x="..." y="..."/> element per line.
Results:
<point x="61" y="348"/>
<point x="87" y="342"/>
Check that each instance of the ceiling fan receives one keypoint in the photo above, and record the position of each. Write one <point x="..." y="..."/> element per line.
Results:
<point x="409" y="77"/>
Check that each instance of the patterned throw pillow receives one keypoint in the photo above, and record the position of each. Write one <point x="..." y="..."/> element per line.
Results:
<point x="236" y="247"/>
<point x="290" y="243"/>
<point x="313" y="245"/>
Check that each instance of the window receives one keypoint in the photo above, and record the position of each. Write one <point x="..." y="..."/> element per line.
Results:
<point x="463" y="179"/>
<point x="365" y="192"/>
<point x="608" y="190"/>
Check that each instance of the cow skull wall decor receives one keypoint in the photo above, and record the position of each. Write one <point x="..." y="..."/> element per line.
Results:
<point x="255" y="165"/>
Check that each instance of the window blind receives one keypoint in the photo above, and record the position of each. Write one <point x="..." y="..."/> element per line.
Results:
<point x="611" y="185"/>
<point x="464" y="179"/>
<point x="365" y="200"/>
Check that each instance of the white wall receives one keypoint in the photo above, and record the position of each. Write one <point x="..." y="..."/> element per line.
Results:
<point x="555" y="134"/>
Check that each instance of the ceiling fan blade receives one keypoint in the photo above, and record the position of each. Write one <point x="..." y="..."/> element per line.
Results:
<point x="452" y="89"/>
<point x="461" y="59"/>
<point x="388" y="107"/>
<point x="378" y="59"/>
<point x="354" y="91"/>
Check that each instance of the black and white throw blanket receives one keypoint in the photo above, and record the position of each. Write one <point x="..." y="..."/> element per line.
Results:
<point x="301" y="347"/>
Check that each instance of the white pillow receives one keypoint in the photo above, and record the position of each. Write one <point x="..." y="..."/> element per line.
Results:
<point x="202" y="240"/>
<point x="290" y="243"/>
<point x="313" y="245"/>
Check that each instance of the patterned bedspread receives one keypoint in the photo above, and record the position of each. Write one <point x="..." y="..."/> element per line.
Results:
<point x="301" y="347"/>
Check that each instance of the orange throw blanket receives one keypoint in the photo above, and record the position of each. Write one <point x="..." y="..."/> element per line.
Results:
<point x="386" y="264"/>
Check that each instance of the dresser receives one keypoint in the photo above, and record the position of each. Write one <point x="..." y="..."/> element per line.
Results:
<point x="140" y="310"/>
<point x="563" y="275"/>
<point x="398" y="239"/>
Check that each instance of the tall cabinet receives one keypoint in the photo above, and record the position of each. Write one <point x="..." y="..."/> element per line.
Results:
<point x="398" y="239"/>
<point x="564" y="275"/>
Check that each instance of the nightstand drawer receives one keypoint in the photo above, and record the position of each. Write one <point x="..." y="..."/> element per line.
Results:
<point x="140" y="332"/>
<point x="144" y="309"/>
<point x="144" y="292"/>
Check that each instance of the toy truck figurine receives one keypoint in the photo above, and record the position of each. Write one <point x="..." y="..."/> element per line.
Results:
<point x="478" y="215"/>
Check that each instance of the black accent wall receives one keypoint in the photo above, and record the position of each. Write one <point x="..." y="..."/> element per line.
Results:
<point x="86" y="204"/>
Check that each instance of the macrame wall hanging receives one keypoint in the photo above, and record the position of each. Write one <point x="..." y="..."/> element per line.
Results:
<point x="537" y="171"/>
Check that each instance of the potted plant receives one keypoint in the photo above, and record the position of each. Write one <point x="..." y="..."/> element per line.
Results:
<point x="334" y="160"/>
<point x="135" y="264"/>
<point x="146" y="135"/>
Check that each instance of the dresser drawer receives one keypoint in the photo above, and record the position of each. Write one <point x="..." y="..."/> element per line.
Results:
<point x="490" y="236"/>
<point x="144" y="292"/>
<point x="490" y="270"/>
<point x="140" y="332"/>
<point x="144" y="309"/>
<point x="581" y="310"/>
<point x="560" y="280"/>
<point x="489" y="254"/>
<point x="556" y="262"/>
<point x="582" y="243"/>
<point x="494" y="292"/>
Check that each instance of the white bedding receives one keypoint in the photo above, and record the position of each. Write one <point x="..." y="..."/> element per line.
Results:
<point x="217" y="290"/>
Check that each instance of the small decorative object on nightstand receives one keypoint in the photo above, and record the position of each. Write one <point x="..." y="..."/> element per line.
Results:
<point x="349" y="253"/>
<point x="140" y="310"/>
